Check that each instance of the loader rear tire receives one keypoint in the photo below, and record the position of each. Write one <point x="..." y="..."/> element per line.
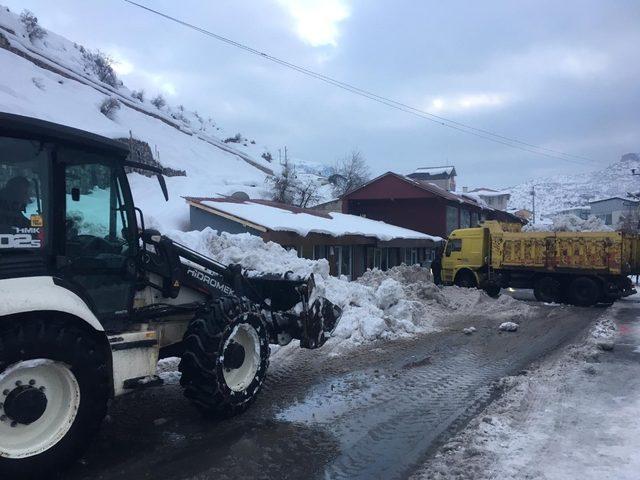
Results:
<point x="225" y="359"/>
<point x="54" y="388"/>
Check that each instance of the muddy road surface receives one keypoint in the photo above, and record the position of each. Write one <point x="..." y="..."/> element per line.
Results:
<point x="375" y="412"/>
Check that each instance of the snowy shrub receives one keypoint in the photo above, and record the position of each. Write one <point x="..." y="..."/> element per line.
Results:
<point x="138" y="95"/>
<point x="180" y="116"/>
<point x="30" y="22"/>
<point x="159" y="102"/>
<point x="237" y="138"/>
<point x="38" y="82"/>
<point x="109" y="107"/>
<point x="253" y="142"/>
<point x="100" y="64"/>
<point x="267" y="156"/>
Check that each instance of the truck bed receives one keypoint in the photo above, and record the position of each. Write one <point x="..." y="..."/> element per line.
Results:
<point x="611" y="253"/>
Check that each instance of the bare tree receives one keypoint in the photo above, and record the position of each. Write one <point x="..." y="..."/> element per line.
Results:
<point x="283" y="185"/>
<point x="306" y="194"/>
<point x="288" y="188"/>
<point x="349" y="173"/>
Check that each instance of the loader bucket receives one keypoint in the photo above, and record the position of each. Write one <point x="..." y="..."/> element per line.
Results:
<point x="310" y="319"/>
<point x="319" y="321"/>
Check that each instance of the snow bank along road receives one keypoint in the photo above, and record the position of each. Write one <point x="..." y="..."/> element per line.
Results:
<point x="577" y="416"/>
<point x="376" y="412"/>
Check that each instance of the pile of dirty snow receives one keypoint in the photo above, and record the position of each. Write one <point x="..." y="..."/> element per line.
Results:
<point x="399" y="303"/>
<point x="569" y="223"/>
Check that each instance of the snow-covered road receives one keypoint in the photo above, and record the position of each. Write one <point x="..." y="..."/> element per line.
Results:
<point x="377" y="412"/>
<point x="576" y="417"/>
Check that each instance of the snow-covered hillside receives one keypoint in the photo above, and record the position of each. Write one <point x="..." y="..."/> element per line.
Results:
<point x="57" y="80"/>
<point x="569" y="191"/>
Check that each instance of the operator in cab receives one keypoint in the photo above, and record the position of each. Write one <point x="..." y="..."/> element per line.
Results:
<point x="14" y="198"/>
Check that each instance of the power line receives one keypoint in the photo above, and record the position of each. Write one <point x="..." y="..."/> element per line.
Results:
<point x="443" y="121"/>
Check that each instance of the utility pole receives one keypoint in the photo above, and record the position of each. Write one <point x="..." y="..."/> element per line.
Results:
<point x="533" y="200"/>
<point x="636" y="196"/>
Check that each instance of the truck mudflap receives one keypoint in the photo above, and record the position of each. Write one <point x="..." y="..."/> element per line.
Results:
<point x="319" y="320"/>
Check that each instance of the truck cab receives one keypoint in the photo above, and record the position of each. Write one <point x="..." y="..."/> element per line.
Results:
<point x="465" y="257"/>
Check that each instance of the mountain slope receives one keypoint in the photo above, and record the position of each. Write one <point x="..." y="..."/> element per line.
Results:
<point x="54" y="79"/>
<point x="569" y="191"/>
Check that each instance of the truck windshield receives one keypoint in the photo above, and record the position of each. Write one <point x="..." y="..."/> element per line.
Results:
<point x="23" y="194"/>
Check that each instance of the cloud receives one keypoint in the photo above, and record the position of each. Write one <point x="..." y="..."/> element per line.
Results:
<point x="468" y="102"/>
<point x="317" y="20"/>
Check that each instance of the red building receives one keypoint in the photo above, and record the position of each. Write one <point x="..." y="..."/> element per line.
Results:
<point x="419" y="206"/>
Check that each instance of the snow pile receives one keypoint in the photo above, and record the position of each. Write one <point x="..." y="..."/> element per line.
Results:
<point x="250" y="251"/>
<point x="569" y="223"/>
<point x="399" y="303"/>
<point x="508" y="326"/>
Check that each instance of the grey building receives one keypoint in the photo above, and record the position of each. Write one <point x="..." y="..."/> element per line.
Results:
<point x="615" y="210"/>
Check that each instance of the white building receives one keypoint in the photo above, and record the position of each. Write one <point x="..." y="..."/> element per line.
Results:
<point x="444" y="177"/>
<point x="493" y="198"/>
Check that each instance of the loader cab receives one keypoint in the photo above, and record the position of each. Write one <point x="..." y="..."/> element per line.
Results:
<point x="66" y="211"/>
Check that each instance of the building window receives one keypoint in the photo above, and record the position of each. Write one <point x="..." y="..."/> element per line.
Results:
<point x="410" y="256"/>
<point x="465" y="218"/>
<point x="344" y="260"/>
<point x="474" y="219"/>
<point x="319" y="251"/>
<point x="606" y="218"/>
<point x="452" y="219"/>
<point x="381" y="258"/>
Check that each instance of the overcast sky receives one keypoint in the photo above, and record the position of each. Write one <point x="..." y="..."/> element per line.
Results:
<point x="563" y="75"/>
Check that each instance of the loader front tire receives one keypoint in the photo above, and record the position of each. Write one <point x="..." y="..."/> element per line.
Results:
<point x="54" y="388"/>
<point x="225" y="358"/>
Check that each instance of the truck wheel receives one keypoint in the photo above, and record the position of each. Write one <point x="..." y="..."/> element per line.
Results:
<point x="225" y="359"/>
<point x="54" y="388"/>
<point x="466" y="279"/>
<point x="492" y="289"/>
<point x="547" y="290"/>
<point x="584" y="292"/>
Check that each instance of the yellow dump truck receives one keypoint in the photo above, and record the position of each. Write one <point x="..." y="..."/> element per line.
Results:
<point x="582" y="268"/>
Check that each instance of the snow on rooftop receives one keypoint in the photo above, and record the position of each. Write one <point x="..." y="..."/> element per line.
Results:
<point x="303" y="223"/>
<point x="488" y="192"/>
<point x="448" y="169"/>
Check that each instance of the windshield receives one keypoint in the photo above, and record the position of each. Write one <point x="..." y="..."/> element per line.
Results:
<point x="23" y="194"/>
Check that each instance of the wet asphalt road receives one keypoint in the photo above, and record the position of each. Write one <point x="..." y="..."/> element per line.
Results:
<point x="375" y="413"/>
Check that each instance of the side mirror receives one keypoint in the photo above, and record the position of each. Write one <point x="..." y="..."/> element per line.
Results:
<point x="163" y="186"/>
<point x="151" y="236"/>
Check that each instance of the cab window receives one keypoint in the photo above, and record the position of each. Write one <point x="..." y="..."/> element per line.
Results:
<point x="23" y="193"/>
<point x="453" y="245"/>
<point x="95" y="219"/>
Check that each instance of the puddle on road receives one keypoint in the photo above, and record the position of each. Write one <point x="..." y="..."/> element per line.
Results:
<point x="330" y="400"/>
